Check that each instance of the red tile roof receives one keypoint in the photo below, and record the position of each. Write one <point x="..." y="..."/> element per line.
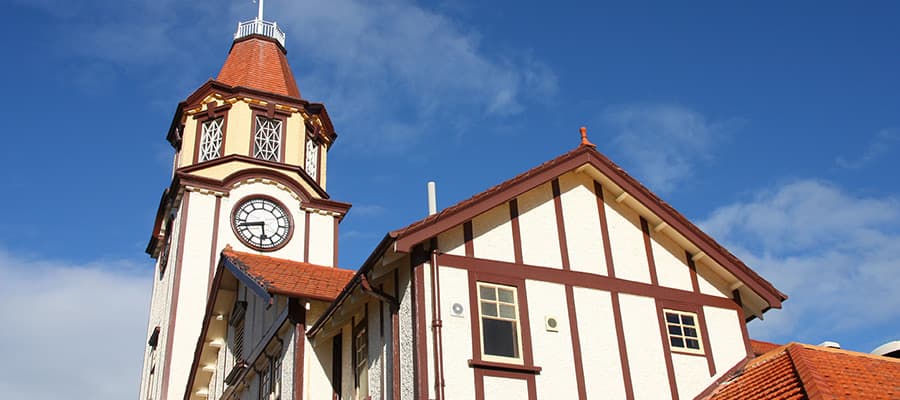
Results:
<point x="801" y="371"/>
<point x="259" y="63"/>
<point x="291" y="278"/>
<point x="759" y="347"/>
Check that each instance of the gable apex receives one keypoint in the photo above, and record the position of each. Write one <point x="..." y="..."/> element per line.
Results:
<point x="586" y="159"/>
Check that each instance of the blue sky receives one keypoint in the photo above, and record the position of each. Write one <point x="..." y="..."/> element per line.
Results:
<point x="774" y="126"/>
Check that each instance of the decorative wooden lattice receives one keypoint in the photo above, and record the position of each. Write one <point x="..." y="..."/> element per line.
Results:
<point x="268" y="139"/>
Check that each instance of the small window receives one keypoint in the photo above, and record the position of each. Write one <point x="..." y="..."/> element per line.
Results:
<point x="265" y="383"/>
<point x="237" y="324"/>
<point x="211" y="139"/>
<point x="361" y="359"/>
<point x="267" y="141"/>
<point x="312" y="157"/>
<point x="499" y="314"/>
<point x="684" y="334"/>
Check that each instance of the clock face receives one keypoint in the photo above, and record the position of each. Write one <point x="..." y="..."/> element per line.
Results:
<point x="262" y="224"/>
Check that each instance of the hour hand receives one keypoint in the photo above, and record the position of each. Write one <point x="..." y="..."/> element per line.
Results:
<point x="257" y="223"/>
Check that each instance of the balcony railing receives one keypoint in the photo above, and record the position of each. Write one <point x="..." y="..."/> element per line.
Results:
<point x="260" y="27"/>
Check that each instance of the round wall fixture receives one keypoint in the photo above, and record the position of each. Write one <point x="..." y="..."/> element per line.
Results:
<point x="457" y="310"/>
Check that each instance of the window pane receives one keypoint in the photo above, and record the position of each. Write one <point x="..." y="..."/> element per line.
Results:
<point x="674" y="330"/>
<point x="507" y="311"/>
<point x="676" y="342"/>
<point x="672" y="318"/>
<point x="687" y="320"/>
<point x="488" y="309"/>
<point x="487" y="293"/>
<point x="690" y="332"/>
<point x="500" y="338"/>
<point x="506" y="296"/>
<point x="693" y="344"/>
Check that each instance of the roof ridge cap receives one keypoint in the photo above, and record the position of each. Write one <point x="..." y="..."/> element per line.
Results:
<point x="812" y="383"/>
<point x="239" y="253"/>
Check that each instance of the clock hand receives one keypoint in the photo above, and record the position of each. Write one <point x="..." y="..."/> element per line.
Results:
<point x="257" y="223"/>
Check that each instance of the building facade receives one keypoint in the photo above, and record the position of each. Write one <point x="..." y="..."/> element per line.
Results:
<point x="570" y="281"/>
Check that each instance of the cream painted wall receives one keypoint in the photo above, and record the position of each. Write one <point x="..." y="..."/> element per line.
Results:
<point x="691" y="374"/>
<point x="584" y="237"/>
<point x="552" y="350"/>
<point x="295" y="140"/>
<point x="709" y="282"/>
<point x="670" y="260"/>
<point x="239" y="132"/>
<point x="496" y="388"/>
<point x="725" y="337"/>
<point x="626" y="241"/>
<point x="537" y="225"/>
<point x="599" y="344"/>
<point x="457" y="333"/>
<point x="452" y="241"/>
<point x="492" y="235"/>
<point x="192" y="293"/>
<point x="321" y="239"/>
<point x="646" y="358"/>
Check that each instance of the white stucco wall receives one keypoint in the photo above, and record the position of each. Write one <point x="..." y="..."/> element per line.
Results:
<point x="457" y="333"/>
<point x="321" y="239"/>
<point x="626" y="240"/>
<point x="691" y="374"/>
<point x="552" y="350"/>
<point x="192" y="294"/>
<point x="584" y="237"/>
<point x="452" y="241"/>
<point x="537" y="225"/>
<point x="599" y="344"/>
<point x="317" y="368"/>
<point x="646" y="358"/>
<point x="671" y="263"/>
<point x="496" y="388"/>
<point x="492" y="235"/>
<point x="725" y="337"/>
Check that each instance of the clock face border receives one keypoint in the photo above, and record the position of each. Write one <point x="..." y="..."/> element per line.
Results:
<point x="287" y="212"/>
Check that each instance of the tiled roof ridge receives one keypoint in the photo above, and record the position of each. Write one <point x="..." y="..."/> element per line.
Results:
<point x="287" y="260"/>
<point x="813" y="384"/>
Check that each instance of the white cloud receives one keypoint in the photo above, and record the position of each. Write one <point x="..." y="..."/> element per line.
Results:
<point x="71" y="330"/>
<point x="664" y="143"/>
<point x="883" y="142"/>
<point x="368" y="210"/>
<point x="373" y="58"/>
<point x="835" y="254"/>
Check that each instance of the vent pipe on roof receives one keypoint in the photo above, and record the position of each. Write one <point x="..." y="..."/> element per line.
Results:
<point x="432" y="198"/>
<point x="828" y="343"/>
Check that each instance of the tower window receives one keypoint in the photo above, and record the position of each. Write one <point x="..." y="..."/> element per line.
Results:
<point x="211" y="139"/>
<point x="312" y="157"/>
<point x="684" y="334"/>
<point x="267" y="141"/>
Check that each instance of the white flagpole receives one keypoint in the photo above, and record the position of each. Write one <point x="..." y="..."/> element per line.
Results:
<point x="260" y="14"/>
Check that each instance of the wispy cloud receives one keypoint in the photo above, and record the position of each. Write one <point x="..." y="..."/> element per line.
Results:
<point x="377" y="58"/>
<point x="82" y="325"/>
<point x="835" y="254"/>
<point x="879" y="146"/>
<point x="664" y="143"/>
<point x="368" y="210"/>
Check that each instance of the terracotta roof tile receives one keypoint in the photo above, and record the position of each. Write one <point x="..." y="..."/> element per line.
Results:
<point x="759" y="347"/>
<point x="259" y="63"/>
<point x="800" y="371"/>
<point x="291" y="278"/>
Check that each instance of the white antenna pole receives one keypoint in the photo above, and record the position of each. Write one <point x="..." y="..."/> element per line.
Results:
<point x="260" y="14"/>
<point x="432" y="198"/>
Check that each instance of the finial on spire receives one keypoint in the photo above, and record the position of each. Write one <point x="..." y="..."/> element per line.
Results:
<point x="584" y="139"/>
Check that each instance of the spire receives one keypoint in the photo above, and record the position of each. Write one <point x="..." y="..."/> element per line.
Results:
<point x="257" y="58"/>
<point x="584" y="138"/>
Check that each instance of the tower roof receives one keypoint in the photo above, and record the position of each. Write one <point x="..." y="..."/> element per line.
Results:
<point x="259" y="62"/>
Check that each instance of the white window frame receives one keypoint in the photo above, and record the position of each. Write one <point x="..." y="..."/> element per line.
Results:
<point x="311" y="155"/>
<point x="211" y="138"/>
<point x="267" y="139"/>
<point x="681" y="325"/>
<point x="519" y="359"/>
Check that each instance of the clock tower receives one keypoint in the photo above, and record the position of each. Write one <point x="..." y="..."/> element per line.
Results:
<point x="249" y="172"/>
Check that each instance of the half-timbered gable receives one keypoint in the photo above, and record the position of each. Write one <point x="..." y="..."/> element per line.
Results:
<point x="571" y="280"/>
